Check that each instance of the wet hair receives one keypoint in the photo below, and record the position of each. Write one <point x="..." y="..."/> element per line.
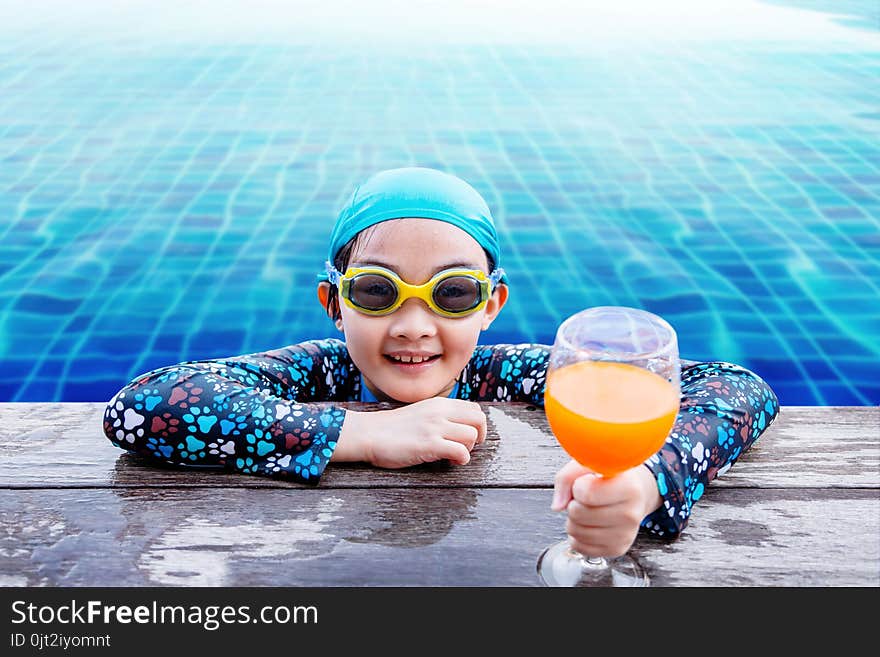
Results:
<point x="343" y="257"/>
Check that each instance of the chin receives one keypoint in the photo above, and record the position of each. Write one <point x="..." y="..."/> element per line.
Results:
<point x="412" y="395"/>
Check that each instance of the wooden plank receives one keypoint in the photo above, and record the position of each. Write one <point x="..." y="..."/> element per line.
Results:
<point x="63" y="444"/>
<point x="433" y="537"/>
<point x="46" y="445"/>
<point x="784" y="537"/>
<point x="814" y="446"/>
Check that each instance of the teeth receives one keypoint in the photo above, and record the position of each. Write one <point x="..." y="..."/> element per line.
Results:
<point x="410" y="359"/>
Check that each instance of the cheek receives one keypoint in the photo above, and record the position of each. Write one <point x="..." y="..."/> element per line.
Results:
<point x="461" y="338"/>
<point x="361" y="333"/>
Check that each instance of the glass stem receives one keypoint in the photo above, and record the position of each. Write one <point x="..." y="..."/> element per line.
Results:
<point x="589" y="562"/>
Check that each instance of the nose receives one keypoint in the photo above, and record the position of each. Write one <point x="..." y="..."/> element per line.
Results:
<point x="413" y="320"/>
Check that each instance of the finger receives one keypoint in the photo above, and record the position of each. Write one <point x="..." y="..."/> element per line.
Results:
<point x="593" y="548"/>
<point x="603" y="542"/>
<point x="562" y="484"/>
<point x="605" y="491"/>
<point x="469" y="413"/>
<point x="482" y="428"/>
<point x="465" y="434"/>
<point x="453" y="451"/>
<point x="602" y="517"/>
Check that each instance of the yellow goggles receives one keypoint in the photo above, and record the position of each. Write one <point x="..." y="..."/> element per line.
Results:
<point x="379" y="291"/>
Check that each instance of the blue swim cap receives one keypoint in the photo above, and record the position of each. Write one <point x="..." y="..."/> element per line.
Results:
<point x="416" y="192"/>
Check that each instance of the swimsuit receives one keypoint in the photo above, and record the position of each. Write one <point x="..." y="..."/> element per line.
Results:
<point x="252" y="414"/>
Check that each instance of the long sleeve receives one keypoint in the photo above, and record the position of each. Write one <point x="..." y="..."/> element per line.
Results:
<point x="724" y="408"/>
<point x="506" y="373"/>
<point x="248" y="414"/>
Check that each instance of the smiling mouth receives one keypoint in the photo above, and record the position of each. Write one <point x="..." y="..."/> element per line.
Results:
<point x="411" y="361"/>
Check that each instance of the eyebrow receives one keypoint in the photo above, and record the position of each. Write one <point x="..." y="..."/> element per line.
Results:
<point x="449" y="265"/>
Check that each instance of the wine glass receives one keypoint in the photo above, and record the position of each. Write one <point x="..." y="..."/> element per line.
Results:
<point x="612" y="395"/>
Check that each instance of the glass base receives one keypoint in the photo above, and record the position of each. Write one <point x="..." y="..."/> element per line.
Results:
<point x="561" y="566"/>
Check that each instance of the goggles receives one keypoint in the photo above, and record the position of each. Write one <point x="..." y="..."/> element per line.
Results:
<point x="379" y="291"/>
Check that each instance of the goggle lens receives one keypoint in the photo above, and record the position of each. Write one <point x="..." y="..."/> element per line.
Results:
<point x="372" y="291"/>
<point x="457" y="294"/>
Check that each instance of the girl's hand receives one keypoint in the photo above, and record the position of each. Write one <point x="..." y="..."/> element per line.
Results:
<point x="429" y="430"/>
<point x="604" y="513"/>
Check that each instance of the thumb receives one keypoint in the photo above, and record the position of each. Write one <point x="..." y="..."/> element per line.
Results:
<point x="563" y="481"/>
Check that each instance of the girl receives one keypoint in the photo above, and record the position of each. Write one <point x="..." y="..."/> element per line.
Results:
<point x="411" y="280"/>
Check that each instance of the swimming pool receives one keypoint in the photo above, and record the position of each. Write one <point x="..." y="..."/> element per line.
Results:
<point x="168" y="180"/>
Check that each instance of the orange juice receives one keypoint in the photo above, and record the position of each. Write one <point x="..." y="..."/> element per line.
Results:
<point x="609" y="416"/>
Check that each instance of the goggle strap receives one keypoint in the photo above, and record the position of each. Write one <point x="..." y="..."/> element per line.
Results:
<point x="496" y="276"/>
<point x="333" y="274"/>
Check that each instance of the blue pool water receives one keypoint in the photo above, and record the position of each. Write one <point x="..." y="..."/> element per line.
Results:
<point x="168" y="177"/>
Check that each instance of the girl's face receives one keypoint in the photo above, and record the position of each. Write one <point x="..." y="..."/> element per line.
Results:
<point x="415" y="249"/>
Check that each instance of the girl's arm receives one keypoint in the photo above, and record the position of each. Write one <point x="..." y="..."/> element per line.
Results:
<point x="724" y="409"/>
<point x="506" y="373"/>
<point x="246" y="414"/>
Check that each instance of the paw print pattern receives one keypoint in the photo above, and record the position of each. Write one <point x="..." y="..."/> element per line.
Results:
<point x="246" y="465"/>
<point x="233" y="424"/>
<point x="306" y="465"/>
<point x="700" y="460"/>
<point x="259" y="442"/>
<point x="503" y="373"/>
<point x="511" y="366"/>
<point x="221" y="447"/>
<point x="298" y="439"/>
<point x="502" y="394"/>
<point x="260" y="416"/>
<point x="184" y="395"/>
<point x="147" y="400"/>
<point x="200" y="419"/>
<point x="725" y="436"/>
<point x="277" y="463"/>
<point x="193" y="449"/>
<point x="159" y="448"/>
<point x="165" y="425"/>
